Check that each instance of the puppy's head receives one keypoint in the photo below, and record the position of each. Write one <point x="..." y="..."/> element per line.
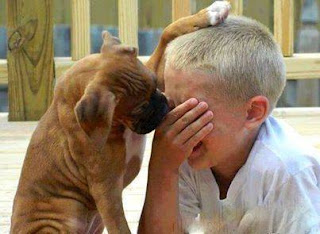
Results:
<point x="137" y="102"/>
<point x="143" y="115"/>
<point x="141" y="106"/>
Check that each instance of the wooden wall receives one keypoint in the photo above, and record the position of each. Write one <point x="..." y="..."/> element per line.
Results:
<point x="157" y="13"/>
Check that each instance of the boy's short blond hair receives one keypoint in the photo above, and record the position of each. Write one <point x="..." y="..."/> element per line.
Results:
<point x="240" y="53"/>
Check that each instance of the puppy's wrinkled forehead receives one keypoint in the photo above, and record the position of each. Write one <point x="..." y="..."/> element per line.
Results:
<point x="125" y="68"/>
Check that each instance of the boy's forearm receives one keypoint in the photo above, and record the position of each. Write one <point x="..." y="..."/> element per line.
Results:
<point x="161" y="208"/>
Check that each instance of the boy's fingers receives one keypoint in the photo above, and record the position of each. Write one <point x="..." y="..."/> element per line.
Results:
<point x="193" y="141"/>
<point x="179" y="111"/>
<point x="189" y="117"/>
<point x="195" y="127"/>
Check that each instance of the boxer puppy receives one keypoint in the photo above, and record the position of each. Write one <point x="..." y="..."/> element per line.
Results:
<point x="86" y="148"/>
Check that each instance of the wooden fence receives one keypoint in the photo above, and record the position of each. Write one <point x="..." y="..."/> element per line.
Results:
<point x="30" y="73"/>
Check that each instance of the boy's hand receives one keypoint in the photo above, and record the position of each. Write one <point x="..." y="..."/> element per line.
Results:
<point x="182" y="129"/>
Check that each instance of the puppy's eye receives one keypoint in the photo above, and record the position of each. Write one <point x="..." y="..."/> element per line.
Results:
<point x="145" y="105"/>
<point x="139" y="109"/>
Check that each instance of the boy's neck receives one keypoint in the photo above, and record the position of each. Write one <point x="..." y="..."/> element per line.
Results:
<point x="225" y="173"/>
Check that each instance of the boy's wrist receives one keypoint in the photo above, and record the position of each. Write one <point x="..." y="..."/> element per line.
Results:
<point x="164" y="163"/>
<point x="162" y="172"/>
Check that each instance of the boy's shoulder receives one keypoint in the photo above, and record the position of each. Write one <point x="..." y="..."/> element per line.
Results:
<point x="281" y="162"/>
<point x="279" y="148"/>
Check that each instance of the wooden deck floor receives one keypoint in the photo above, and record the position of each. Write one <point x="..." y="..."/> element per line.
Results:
<point x="15" y="136"/>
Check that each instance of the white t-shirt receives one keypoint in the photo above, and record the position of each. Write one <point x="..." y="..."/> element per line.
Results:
<point x="277" y="190"/>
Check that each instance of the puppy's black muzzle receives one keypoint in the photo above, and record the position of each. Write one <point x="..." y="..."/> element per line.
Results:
<point x="153" y="114"/>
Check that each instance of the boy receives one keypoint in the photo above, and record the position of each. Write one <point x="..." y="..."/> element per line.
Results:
<point x="220" y="163"/>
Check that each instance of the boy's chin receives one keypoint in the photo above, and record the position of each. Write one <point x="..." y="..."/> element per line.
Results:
<point x="199" y="158"/>
<point x="199" y="162"/>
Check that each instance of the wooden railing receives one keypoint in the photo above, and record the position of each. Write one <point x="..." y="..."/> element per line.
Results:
<point x="306" y="121"/>
<point x="30" y="90"/>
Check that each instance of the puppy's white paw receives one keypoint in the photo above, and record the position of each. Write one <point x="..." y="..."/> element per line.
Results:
<point x="218" y="12"/>
<point x="214" y="17"/>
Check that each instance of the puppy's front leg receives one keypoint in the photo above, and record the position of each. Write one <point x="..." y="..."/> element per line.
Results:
<point x="105" y="172"/>
<point x="108" y="198"/>
<point x="103" y="158"/>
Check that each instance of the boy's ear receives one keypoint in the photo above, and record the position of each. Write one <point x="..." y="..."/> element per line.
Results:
<point x="94" y="113"/>
<point x="258" y="109"/>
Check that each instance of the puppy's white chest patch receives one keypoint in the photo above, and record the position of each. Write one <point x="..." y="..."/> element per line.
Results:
<point x="135" y="145"/>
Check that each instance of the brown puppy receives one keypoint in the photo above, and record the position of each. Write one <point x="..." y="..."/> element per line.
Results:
<point x="84" y="150"/>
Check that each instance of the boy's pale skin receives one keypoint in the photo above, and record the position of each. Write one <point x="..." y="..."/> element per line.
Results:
<point x="226" y="131"/>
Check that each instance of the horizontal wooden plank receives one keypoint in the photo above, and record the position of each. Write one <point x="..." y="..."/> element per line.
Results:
<point x="299" y="66"/>
<point x="3" y="72"/>
<point x="62" y="65"/>
<point x="306" y="121"/>
<point x="297" y="112"/>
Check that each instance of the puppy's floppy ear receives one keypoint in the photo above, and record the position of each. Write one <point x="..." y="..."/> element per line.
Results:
<point x="94" y="113"/>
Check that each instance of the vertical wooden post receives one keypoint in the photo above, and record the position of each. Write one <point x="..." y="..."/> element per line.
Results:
<point x="30" y="58"/>
<point x="237" y="7"/>
<point x="80" y="28"/>
<point x="180" y="8"/>
<point x="128" y="22"/>
<point x="283" y="25"/>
